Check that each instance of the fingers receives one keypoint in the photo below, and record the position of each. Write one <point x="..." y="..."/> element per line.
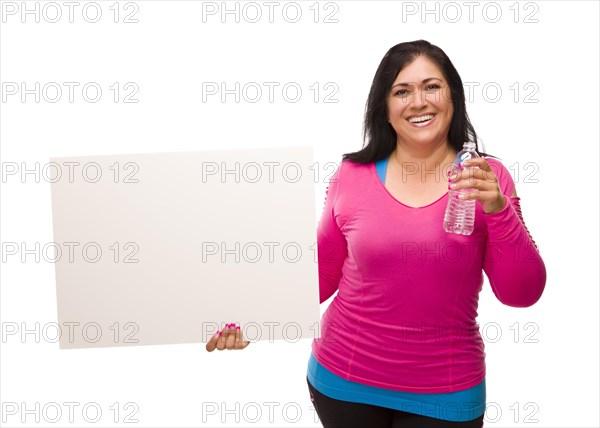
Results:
<point x="492" y="201"/>
<point x="235" y="339"/>
<point x="472" y="183"/>
<point x="230" y="342"/>
<point x="482" y="195"/>
<point x="230" y="338"/>
<point x="239" y="340"/>
<point x="482" y="185"/>
<point x="222" y="342"/>
<point x="476" y="175"/>
<point x="480" y="162"/>
<point x="480" y="166"/>
<point x="472" y="174"/>
<point x="477" y="189"/>
<point x="212" y="343"/>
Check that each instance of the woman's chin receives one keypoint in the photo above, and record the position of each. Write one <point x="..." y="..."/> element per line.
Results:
<point x="423" y="140"/>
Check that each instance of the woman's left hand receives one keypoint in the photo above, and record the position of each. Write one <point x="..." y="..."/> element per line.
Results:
<point x="484" y="183"/>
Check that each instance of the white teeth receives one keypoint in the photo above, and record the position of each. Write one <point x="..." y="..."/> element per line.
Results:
<point x="420" y="118"/>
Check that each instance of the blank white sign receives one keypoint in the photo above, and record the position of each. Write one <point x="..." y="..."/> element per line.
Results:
<point x="166" y="248"/>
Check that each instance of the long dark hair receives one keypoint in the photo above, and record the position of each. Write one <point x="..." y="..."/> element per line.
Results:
<point x="379" y="137"/>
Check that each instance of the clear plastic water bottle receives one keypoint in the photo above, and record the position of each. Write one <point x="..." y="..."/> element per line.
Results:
<point x="460" y="214"/>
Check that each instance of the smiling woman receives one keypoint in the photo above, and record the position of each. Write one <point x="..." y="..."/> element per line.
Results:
<point x="381" y="360"/>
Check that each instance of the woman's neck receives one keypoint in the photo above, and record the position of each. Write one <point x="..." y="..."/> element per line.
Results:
<point x="423" y="162"/>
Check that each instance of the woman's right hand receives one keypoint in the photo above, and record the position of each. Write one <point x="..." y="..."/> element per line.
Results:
<point x="229" y="338"/>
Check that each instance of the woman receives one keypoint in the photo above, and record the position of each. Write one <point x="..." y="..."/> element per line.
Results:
<point x="400" y="346"/>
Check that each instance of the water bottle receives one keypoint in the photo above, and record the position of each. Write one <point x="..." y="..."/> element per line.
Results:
<point x="460" y="214"/>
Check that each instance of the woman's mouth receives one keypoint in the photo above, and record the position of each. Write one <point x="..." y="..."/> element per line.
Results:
<point x="422" y="120"/>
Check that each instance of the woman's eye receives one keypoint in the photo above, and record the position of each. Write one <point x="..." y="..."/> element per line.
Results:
<point x="404" y="92"/>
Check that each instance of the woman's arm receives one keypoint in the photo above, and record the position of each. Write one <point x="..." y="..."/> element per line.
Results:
<point x="331" y="243"/>
<point x="512" y="261"/>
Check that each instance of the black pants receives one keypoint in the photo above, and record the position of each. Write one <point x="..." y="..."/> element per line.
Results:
<point x="345" y="414"/>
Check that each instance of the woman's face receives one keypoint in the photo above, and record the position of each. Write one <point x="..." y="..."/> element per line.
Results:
<point x="419" y="104"/>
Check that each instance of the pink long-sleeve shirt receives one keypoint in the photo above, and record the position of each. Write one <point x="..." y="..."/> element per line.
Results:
<point x="404" y="317"/>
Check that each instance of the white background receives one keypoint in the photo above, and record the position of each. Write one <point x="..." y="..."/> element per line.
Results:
<point x="550" y="146"/>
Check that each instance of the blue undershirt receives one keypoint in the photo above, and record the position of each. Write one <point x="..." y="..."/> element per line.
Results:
<point x="459" y="406"/>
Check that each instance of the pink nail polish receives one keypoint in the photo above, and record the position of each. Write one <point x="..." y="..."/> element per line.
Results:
<point x="219" y="332"/>
<point x="238" y="327"/>
<point x="456" y="196"/>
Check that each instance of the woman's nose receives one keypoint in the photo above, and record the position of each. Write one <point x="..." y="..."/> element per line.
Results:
<point x="418" y="99"/>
